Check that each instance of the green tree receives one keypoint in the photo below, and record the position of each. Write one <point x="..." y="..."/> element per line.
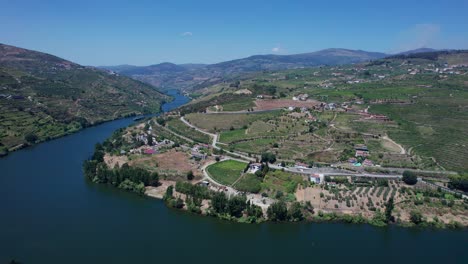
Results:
<point x="410" y="177"/>
<point x="388" y="210"/>
<point x="295" y="212"/>
<point x="236" y="205"/>
<point x="268" y="157"/>
<point x="169" y="193"/>
<point x="190" y="175"/>
<point x="177" y="203"/>
<point x="278" y="211"/>
<point x="31" y="138"/>
<point x="219" y="203"/>
<point x="416" y="217"/>
<point x="459" y="182"/>
<point x="254" y="211"/>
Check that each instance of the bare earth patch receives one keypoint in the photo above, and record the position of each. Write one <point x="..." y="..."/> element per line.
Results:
<point x="169" y="163"/>
<point x="112" y="161"/>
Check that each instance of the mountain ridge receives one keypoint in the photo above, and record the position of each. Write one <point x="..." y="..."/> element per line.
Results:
<point x="186" y="76"/>
<point x="43" y="96"/>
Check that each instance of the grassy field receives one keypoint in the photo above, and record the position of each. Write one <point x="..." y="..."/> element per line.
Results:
<point x="256" y="146"/>
<point x="226" y="172"/>
<point x="215" y="122"/>
<point x="239" y="104"/>
<point x="281" y="181"/>
<point x="181" y="128"/>
<point x="249" y="183"/>
<point x="232" y="135"/>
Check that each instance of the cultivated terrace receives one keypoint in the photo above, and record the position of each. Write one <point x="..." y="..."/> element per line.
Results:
<point x="381" y="142"/>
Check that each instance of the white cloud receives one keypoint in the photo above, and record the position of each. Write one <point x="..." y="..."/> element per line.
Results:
<point x="277" y="49"/>
<point x="186" y="34"/>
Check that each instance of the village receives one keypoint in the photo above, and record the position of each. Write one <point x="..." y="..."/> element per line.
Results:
<point x="313" y="145"/>
<point x="355" y="185"/>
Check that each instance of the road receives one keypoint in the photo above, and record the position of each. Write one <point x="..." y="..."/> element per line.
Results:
<point x="242" y="112"/>
<point x="299" y="170"/>
<point x="402" y="149"/>
<point x="257" y="199"/>
<point x="215" y="141"/>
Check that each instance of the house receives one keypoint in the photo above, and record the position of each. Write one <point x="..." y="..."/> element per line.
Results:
<point x="254" y="167"/>
<point x="301" y="165"/>
<point x="315" y="178"/>
<point x="368" y="162"/>
<point x="149" y="151"/>
<point x="301" y="97"/>
<point x="204" y="183"/>
<point x="352" y="160"/>
<point x="330" y="106"/>
<point x="361" y="153"/>
<point x="198" y="155"/>
<point x="361" y="147"/>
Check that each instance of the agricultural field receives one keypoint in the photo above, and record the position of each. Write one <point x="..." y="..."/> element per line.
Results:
<point x="239" y="104"/>
<point x="248" y="183"/>
<point x="226" y="172"/>
<point x="427" y="110"/>
<point x="180" y="128"/>
<point x="222" y="122"/>
<point x="280" y="181"/>
<point x="369" y="197"/>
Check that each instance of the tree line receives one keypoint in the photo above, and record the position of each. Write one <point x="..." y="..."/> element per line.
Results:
<point x="124" y="177"/>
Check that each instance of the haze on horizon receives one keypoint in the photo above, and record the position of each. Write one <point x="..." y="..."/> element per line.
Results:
<point x="149" y="32"/>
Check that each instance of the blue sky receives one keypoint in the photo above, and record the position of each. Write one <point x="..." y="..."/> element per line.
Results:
<point x="148" y="32"/>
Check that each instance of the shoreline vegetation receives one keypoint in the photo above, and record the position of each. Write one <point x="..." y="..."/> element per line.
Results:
<point x="44" y="97"/>
<point x="356" y="143"/>
<point x="32" y="139"/>
<point x="199" y="199"/>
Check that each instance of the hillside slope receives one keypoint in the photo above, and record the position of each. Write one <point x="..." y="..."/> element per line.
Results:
<point x="420" y="98"/>
<point x="43" y="96"/>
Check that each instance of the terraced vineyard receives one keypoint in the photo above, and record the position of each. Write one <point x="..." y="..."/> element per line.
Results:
<point x="180" y="128"/>
<point x="44" y="97"/>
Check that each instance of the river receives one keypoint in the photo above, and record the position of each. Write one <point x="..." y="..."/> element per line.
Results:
<point x="51" y="214"/>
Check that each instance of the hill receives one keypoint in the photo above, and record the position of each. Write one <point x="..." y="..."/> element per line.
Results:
<point x="418" y="100"/>
<point x="194" y="76"/>
<point x="43" y="96"/>
<point x="420" y="50"/>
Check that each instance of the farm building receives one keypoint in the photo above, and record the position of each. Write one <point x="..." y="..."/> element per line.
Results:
<point x="361" y="153"/>
<point x="254" y="167"/>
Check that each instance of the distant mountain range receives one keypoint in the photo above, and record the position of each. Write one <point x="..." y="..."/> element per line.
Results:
<point x="46" y="96"/>
<point x="191" y="76"/>
<point x="415" y="51"/>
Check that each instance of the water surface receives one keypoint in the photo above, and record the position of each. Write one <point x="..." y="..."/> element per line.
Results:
<point x="51" y="214"/>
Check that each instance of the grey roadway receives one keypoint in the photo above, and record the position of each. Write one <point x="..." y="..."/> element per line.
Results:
<point x="298" y="170"/>
<point x="290" y="169"/>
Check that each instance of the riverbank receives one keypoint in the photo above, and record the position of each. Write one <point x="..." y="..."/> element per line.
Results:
<point x="4" y="151"/>
<point x="313" y="203"/>
<point x="76" y="221"/>
<point x="281" y="193"/>
<point x="320" y="216"/>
